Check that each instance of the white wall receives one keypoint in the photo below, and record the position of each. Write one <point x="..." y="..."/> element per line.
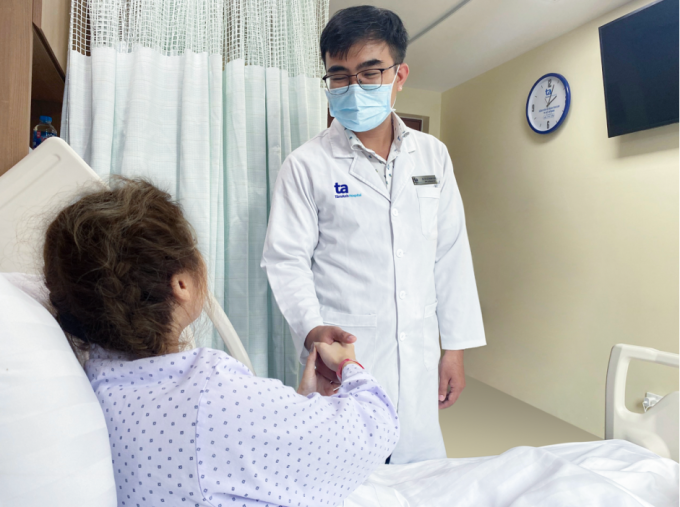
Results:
<point x="574" y="235"/>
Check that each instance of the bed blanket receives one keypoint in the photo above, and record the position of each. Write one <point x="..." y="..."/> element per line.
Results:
<point x="611" y="473"/>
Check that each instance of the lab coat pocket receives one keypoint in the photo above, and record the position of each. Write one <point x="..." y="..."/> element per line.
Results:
<point x="362" y="326"/>
<point x="431" y="350"/>
<point x="428" y="200"/>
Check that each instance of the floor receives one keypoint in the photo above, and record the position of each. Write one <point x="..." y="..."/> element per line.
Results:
<point x="486" y="422"/>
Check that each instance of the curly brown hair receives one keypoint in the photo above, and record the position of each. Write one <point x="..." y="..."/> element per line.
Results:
<point x="109" y="261"/>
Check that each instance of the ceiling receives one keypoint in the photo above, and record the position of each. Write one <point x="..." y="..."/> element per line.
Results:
<point x="480" y="34"/>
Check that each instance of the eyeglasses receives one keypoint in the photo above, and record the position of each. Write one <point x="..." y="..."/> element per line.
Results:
<point x="369" y="79"/>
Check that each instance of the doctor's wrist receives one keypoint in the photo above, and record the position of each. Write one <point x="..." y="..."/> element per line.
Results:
<point x="309" y="341"/>
<point x="453" y="353"/>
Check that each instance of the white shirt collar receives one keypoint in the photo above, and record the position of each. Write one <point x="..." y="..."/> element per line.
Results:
<point x="400" y="133"/>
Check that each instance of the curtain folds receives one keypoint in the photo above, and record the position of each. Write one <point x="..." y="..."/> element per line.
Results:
<point x="206" y="98"/>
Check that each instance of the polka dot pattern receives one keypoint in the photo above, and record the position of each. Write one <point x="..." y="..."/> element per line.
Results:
<point x="198" y="429"/>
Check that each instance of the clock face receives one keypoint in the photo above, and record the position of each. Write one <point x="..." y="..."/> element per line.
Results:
<point x="548" y="103"/>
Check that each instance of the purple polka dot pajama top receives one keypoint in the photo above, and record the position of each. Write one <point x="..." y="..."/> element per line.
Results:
<point x="196" y="428"/>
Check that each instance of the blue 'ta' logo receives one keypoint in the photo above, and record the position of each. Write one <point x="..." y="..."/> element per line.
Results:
<point x="341" y="189"/>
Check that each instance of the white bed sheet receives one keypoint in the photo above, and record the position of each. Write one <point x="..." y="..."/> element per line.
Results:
<point x="610" y="473"/>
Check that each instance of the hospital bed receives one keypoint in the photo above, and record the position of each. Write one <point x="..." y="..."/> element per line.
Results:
<point x="54" y="447"/>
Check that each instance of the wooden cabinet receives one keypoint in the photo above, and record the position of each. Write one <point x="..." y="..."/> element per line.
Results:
<point x="31" y="78"/>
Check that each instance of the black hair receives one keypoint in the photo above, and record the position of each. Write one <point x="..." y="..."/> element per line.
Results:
<point x="363" y="23"/>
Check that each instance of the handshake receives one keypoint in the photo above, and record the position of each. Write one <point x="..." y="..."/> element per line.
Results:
<point x="328" y="347"/>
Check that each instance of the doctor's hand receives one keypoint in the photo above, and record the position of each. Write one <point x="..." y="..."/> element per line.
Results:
<point x="329" y="335"/>
<point x="451" y="377"/>
<point x="312" y="381"/>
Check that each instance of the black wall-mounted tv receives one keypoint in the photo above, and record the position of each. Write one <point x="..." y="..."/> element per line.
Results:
<point x="640" y="68"/>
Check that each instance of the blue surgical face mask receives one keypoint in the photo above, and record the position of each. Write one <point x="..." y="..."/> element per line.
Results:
<point x="361" y="110"/>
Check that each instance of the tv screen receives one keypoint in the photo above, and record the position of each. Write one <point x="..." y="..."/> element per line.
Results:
<point x="640" y="68"/>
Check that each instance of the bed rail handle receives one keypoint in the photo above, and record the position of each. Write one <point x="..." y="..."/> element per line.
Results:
<point x="617" y="372"/>
<point x="227" y="332"/>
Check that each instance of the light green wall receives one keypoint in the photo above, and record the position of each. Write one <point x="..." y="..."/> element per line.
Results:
<point x="421" y="103"/>
<point x="55" y="24"/>
<point x="574" y="235"/>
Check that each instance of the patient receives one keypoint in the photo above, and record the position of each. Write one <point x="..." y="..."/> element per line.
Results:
<point x="125" y="278"/>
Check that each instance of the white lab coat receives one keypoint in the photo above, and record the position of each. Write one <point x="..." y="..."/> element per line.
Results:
<point x="393" y="270"/>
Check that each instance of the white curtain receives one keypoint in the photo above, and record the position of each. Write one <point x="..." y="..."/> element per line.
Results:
<point x="205" y="98"/>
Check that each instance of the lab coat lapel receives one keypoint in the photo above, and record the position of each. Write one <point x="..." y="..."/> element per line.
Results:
<point x="360" y="168"/>
<point x="340" y="147"/>
<point x="403" y="167"/>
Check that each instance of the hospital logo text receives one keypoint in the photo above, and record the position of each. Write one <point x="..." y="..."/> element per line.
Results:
<point x="343" y="191"/>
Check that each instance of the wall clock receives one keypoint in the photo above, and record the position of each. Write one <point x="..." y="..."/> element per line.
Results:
<point x="548" y="103"/>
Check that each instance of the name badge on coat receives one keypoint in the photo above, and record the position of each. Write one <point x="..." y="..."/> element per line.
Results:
<point x="425" y="180"/>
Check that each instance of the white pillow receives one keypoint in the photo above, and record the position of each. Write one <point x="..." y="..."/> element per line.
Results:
<point x="33" y="285"/>
<point x="54" y="445"/>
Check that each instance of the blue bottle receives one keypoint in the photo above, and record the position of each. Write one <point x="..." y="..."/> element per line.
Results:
<point x="42" y="131"/>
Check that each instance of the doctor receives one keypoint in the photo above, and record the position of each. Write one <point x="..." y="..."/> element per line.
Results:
<point x="367" y="238"/>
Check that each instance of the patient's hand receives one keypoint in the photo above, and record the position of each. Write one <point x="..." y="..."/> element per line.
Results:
<point x="335" y="354"/>
<point x="312" y="381"/>
<point x="329" y="335"/>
